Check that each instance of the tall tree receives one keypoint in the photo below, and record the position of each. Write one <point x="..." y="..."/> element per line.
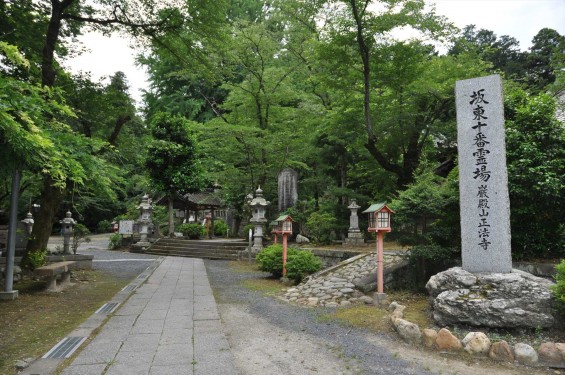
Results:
<point x="370" y="25"/>
<point x="148" y="19"/>
<point x="173" y="162"/>
<point x="545" y="58"/>
<point x="502" y="52"/>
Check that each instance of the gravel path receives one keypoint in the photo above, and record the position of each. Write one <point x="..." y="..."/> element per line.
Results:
<point x="269" y="336"/>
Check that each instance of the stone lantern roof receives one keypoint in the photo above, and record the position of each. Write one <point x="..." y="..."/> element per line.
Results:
<point x="259" y="200"/>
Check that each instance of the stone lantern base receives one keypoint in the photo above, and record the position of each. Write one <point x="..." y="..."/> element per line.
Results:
<point x="355" y="239"/>
<point x="140" y="246"/>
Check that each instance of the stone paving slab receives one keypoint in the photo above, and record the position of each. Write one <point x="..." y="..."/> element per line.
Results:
<point x="169" y="325"/>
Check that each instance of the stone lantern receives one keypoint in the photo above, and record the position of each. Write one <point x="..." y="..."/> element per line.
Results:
<point x="258" y="209"/>
<point x="354" y="235"/>
<point x="145" y="210"/>
<point x="67" y="231"/>
<point x="28" y="222"/>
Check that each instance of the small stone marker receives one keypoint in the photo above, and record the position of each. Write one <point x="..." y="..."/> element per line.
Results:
<point x="483" y="179"/>
<point x="126" y="227"/>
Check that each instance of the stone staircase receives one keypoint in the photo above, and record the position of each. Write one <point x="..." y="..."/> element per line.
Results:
<point x="207" y="249"/>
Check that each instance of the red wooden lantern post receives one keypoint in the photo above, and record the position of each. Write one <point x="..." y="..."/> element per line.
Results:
<point x="284" y="228"/>
<point x="379" y="222"/>
<point x="275" y="226"/>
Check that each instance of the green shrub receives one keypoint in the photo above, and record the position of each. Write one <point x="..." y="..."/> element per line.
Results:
<point x="192" y="231"/>
<point x="104" y="226"/>
<point x="270" y="259"/>
<point x="301" y="264"/>
<point x="115" y="241"/>
<point x="220" y="228"/>
<point x="559" y="288"/>
<point x="35" y="259"/>
<point x="80" y="234"/>
<point x="298" y="263"/>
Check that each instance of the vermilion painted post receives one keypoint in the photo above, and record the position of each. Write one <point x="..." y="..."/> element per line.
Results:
<point x="284" y="253"/>
<point x="380" y="262"/>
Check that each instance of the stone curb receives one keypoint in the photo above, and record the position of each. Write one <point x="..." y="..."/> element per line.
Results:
<point x="45" y="366"/>
<point x="549" y="354"/>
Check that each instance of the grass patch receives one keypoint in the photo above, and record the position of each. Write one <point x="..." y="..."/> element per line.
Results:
<point x="241" y="266"/>
<point x="367" y="317"/>
<point x="268" y="287"/>
<point x="37" y="320"/>
<point x="376" y="318"/>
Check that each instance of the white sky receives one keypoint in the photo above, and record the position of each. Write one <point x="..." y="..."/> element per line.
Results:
<point x="521" y="19"/>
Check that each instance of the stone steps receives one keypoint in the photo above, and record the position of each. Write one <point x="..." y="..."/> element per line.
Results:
<point x="206" y="249"/>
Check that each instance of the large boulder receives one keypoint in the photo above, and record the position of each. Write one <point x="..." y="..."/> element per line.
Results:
<point x="514" y="299"/>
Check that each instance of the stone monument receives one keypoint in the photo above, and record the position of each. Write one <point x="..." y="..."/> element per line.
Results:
<point x="483" y="181"/>
<point x="288" y="191"/>
<point x="486" y="291"/>
<point x="354" y="235"/>
<point x="258" y="207"/>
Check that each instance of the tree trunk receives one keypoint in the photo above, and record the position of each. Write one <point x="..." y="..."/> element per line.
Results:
<point x="50" y="196"/>
<point x="120" y="122"/>
<point x="50" y="199"/>
<point x="171" y="216"/>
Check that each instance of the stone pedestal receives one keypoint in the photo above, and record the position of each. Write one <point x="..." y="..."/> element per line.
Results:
<point x="514" y="299"/>
<point x="355" y="239"/>
<point x="257" y="238"/>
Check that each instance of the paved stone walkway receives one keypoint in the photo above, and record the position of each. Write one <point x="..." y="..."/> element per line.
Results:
<point x="169" y="325"/>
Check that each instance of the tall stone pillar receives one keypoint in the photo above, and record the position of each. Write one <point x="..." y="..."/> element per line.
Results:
<point x="288" y="189"/>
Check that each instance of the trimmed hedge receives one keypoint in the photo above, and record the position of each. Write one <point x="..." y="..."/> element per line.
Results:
<point x="299" y="263"/>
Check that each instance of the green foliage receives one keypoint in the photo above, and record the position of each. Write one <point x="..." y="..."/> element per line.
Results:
<point x="270" y="259"/>
<point x="426" y="261"/>
<point x="439" y="255"/>
<point x="104" y="226"/>
<point x="80" y="234"/>
<point x="559" y="288"/>
<point x="115" y="241"/>
<point x="535" y="142"/>
<point x="172" y="157"/>
<point x="220" y="228"/>
<point x="321" y="226"/>
<point x="35" y="259"/>
<point x="427" y="212"/>
<point x="299" y="263"/>
<point x="192" y="231"/>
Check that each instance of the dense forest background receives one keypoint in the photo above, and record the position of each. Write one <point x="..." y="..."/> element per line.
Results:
<point x="240" y="89"/>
